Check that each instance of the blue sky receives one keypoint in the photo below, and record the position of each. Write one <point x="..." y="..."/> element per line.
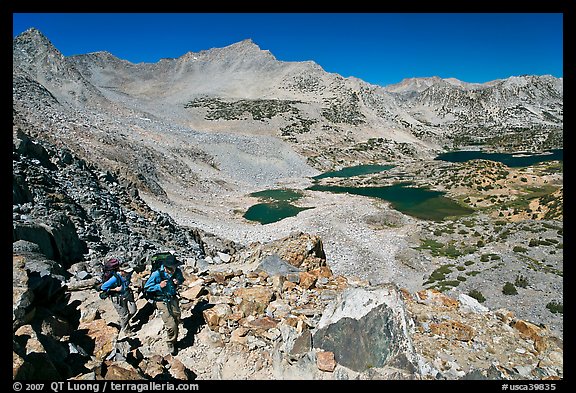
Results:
<point x="380" y="48"/>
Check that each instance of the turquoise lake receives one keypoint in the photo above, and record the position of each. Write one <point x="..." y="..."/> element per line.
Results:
<point x="413" y="201"/>
<point x="266" y="213"/>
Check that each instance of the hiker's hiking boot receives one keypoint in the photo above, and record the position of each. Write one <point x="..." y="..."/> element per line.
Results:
<point x="172" y="348"/>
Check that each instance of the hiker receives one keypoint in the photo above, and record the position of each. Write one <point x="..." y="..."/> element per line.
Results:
<point x="163" y="283"/>
<point x="117" y="287"/>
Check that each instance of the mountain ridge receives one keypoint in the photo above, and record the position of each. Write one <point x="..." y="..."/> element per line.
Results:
<point x="248" y="45"/>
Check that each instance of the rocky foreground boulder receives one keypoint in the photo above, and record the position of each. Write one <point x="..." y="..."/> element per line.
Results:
<point x="274" y="322"/>
<point x="291" y="325"/>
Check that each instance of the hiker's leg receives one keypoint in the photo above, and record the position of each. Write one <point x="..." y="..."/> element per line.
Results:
<point x="122" y="310"/>
<point x="176" y="314"/>
<point x="131" y="309"/>
<point x="169" y="323"/>
<point x="131" y="304"/>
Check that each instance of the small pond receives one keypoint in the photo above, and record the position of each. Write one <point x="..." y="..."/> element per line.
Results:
<point x="274" y="206"/>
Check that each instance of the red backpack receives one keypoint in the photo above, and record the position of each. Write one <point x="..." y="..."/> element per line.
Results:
<point x="110" y="266"/>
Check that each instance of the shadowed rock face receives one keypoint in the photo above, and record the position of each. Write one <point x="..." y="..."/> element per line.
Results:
<point x="365" y="328"/>
<point x="56" y="236"/>
<point x="361" y="344"/>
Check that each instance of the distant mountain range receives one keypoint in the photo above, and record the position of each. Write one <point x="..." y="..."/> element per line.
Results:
<point x="243" y="90"/>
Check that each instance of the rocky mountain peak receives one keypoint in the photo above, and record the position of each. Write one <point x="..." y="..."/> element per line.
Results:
<point x="245" y="49"/>
<point x="460" y="84"/>
<point x="247" y="43"/>
<point x="238" y="57"/>
<point x="32" y="45"/>
<point x="103" y="59"/>
<point x="32" y="35"/>
<point x="413" y="84"/>
<point x="104" y="55"/>
<point x="35" y="56"/>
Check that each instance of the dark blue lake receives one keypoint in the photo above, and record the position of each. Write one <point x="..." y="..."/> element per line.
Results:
<point x="510" y="160"/>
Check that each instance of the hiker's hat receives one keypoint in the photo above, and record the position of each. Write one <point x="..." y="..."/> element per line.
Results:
<point x="170" y="261"/>
<point x="126" y="268"/>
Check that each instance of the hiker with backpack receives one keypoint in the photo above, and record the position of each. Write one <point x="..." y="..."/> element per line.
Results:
<point x="117" y="288"/>
<point x="162" y="288"/>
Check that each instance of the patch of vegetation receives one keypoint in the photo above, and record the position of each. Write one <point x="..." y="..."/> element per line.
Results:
<point x="504" y="234"/>
<point x="439" y="274"/>
<point x="525" y="138"/>
<point x="446" y="285"/>
<point x="306" y="83"/>
<point x="299" y="126"/>
<point x="451" y="251"/>
<point x="551" y="226"/>
<point x="430" y="244"/>
<point x="344" y="110"/>
<point x="237" y="110"/>
<point x="555" y="307"/>
<point x="509" y="289"/>
<point x="489" y="257"/>
<point x="497" y="266"/>
<point x="477" y="295"/>
<point x="546" y="195"/>
<point x="554" y="167"/>
<point x="448" y="250"/>
<point x="539" y="266"/>
<point x="555" y="205"/>
<point x="469" y="223"/>
<point x="521" y="281"/>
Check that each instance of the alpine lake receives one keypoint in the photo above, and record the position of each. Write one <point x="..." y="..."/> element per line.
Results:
<point x="422" y="203"/>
